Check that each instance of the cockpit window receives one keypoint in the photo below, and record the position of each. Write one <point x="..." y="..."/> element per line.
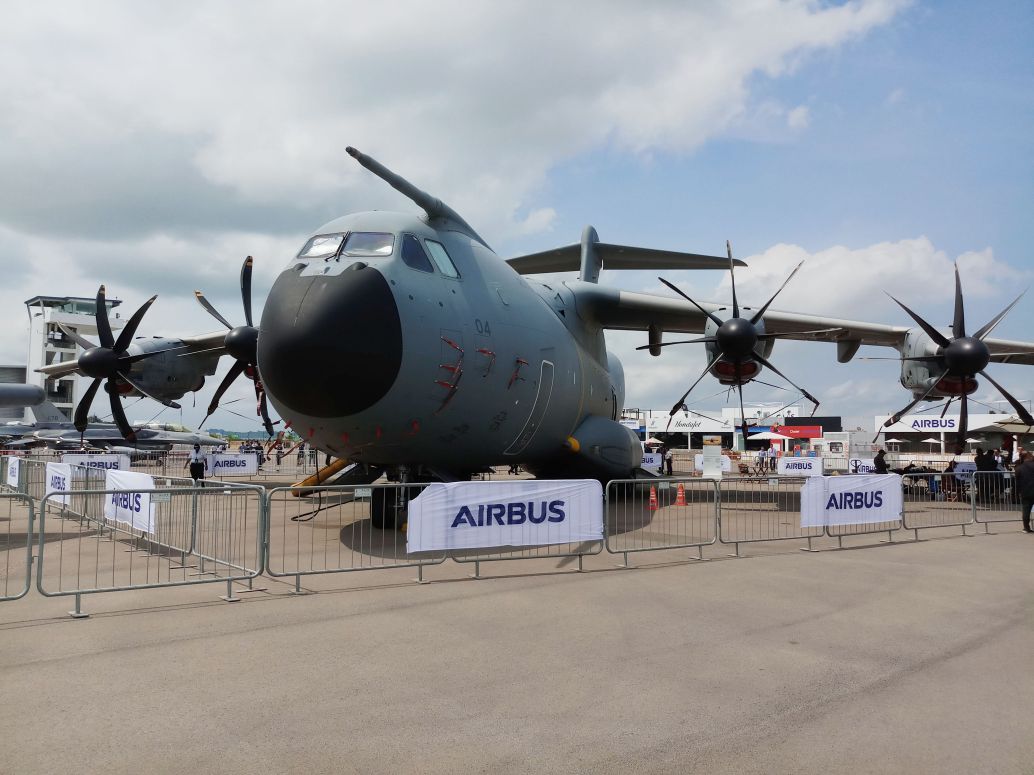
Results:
<point x="322" y="246"/>
<point x="413" y="254"/>
<point x="369" y="243"/>
<point x="441" y="258"/>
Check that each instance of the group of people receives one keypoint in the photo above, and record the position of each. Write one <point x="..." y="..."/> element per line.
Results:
<point x="767" y="457"/>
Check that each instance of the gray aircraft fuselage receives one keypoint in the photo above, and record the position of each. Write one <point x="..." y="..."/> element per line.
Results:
<point x="377" y="360"/>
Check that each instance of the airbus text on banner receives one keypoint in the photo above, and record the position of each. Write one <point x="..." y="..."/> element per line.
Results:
<point x="799" y="466"/>
<point x="59" y="480"/>
<point x="232" y="464"/>
<point x="127" y="504"/>
<point x="652" y="461"/>
<point x="13" y="469"/>
<point x="851" y="500"/>
<point x="103" y="462"/>
<point x="474" y="515"/>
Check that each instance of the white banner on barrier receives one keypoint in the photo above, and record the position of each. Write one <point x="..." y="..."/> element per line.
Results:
<point x="652" y="461"/>
<point x="128" y="505"/>
<point x="14" y="466"/>
<point x="851" y="500"/>
<point x="726" y="463"/>
<point x="104" y="462"/>
<point x="59" y="480"/>
<point x="223" y="464"/>
<point x="799" y="466"/>
<point x="474" y="515"/>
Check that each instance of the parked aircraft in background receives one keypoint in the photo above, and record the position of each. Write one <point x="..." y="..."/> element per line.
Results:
<point x="52" y="430"/>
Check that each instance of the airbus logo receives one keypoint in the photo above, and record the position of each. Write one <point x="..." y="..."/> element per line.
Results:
<point x="855" y="500"/>
<point x="510" y="514"/>
<point x="933" y="424"/>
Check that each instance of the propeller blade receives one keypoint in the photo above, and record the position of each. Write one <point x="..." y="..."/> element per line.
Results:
<point x="947" y="403"/>
<point x="1021" y="410"/>
<point x="960" y="437"/>
<point x="235" y="371"/>
<point x="246" y="288"/>
<point x="899" y="359"/>
<point x="141" y="356"/>
<point x="732" y="278"/>
<point x="683" y="341"/>
<point x="958" y="324"/>
<point x="86" y="344"/>
<point x="932" y="332"/>
<point x="101" y="317"/>
<point x="768" y="364"/>
<point x="771" y="385"/>
<point x="714" y="318"/>
<point x="82" y="411"/>
<point x="141" y="391"/>
<point x="798" y="333"/>
<point x="264" y="411"/>
<point x="126" y="334"/>
<point x="758" y="315"/>
<point x="210" y="309"/>
<point x="987" y="329"/>
<point x="118" y="413"/>
<point x="678" y="404"/>
<point x="743" y="415"/>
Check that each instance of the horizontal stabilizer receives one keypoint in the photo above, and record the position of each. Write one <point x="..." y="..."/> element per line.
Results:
<point x="568" y="259"/>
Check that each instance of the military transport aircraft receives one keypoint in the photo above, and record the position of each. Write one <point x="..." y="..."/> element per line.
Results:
<point x="405" y="344"/>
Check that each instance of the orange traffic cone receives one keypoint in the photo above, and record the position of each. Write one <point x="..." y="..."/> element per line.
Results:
<point x="653" y="499"/>
<point x="680" y="496"/>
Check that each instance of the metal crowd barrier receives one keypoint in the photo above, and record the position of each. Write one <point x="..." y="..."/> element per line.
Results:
<point x="760" y="510"/>
<point x="197" y="536"/>
<point x="936" y="500"/>
<point x="649" y="515"/>
<point x="995" y="498"/>
<point x="16" y="511"/>
<point x="332" y="530"/>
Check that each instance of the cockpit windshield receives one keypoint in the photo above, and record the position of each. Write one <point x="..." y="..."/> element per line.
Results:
<point x="322" y="246"/>
<point x="369" y="243"/>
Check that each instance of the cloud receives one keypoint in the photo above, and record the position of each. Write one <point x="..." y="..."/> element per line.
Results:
<point x="147" y="117"/>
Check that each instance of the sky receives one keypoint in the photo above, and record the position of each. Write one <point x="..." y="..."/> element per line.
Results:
<point x="151" y="146"/>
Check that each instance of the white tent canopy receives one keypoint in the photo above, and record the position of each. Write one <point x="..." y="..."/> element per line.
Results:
<point x="769" y="436"/>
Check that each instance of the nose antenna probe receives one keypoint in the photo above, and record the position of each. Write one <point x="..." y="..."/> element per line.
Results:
<point x="434" y="207"/>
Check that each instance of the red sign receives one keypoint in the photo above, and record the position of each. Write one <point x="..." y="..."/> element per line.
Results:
<point x="799" y="431"/>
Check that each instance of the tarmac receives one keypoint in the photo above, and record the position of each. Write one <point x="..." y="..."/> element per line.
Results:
<point x="883" y="657"/>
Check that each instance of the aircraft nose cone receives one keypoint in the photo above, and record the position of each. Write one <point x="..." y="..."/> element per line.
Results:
<point x="330" y="346"/>
<point x="737" y="337"/>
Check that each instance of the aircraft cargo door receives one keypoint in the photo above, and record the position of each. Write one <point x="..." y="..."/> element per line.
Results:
<point x="538" y="410"/>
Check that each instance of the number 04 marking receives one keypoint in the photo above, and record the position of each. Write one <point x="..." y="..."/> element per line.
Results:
<point x="482" y="326"/>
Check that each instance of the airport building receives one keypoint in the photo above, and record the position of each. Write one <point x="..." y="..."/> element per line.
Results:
<point x="48" y="344"/>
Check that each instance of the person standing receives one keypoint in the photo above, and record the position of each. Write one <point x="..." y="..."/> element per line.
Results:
<point x="667" y="461"/>
<point x="1025" y="484"/>
<point x="879" y="463"/>
<point x="198" y="462"/>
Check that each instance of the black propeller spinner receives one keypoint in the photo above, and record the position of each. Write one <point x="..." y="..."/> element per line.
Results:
<point x="735" y="342"/>
<point x="109" y="362"/>
<point x="960" y="359"/>
<point x="241" y="343"/>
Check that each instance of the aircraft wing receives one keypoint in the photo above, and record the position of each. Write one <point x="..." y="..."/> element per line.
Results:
<point x="568" y="259"/>
<point x="184" y="346"/>
<point x="625" y="310"/>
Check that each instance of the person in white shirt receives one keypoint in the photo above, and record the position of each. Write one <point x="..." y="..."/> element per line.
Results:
<point x="198" y="462"/>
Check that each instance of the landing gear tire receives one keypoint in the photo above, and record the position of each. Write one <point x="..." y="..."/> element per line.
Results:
<point x="386" y="509"/>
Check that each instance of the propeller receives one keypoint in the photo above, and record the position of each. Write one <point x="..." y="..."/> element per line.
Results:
<point x="736" y="339"/>
<point x="241" y="343"/>
<point x="962" y="357"/>
<point x="108" y="363"/>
